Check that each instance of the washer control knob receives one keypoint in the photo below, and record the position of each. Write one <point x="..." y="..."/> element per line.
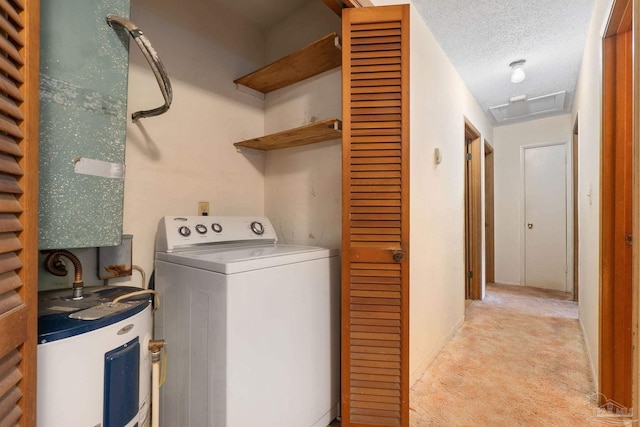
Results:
<point x="184" y="231"/>
<point x="257" y="227"/>
<point x="216" y="227"/>
<point x="201" y="229"/>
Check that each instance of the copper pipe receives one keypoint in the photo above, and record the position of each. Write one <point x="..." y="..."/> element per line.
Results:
<point x="54" y="265"/>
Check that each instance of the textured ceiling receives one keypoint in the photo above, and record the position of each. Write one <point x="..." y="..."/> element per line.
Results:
<point x="482" y="37"/>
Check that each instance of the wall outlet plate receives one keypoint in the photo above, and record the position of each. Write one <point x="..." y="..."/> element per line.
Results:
<point x="203" y="208"/>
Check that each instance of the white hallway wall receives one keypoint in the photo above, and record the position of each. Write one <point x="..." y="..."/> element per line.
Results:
<point x="440" y="101"/>
<point x="508" y="141"/>
<point x="588" y="108"/>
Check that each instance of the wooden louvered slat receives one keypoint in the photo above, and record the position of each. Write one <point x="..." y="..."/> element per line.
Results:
<point x="18" y="4"/>
<point x="7" y="8"/>
<point x="11" y="418"/>
<point x="379" y="63"/>
<point x="376" y="118"/>
<point x="376" y="404"/>
<point x="9" y="301"/>
<point x="9" y="242"/>
<point x="9" y="184"/>
<point x="9" y="204"/>
<point x="10" y="127"/>
<point x="375" y="223"/>
<point x="380" y="47"/>
<point x="9" y="262"/>
<point x="375" y="96"/>
<point x="11" y="31"/>
<point x="8" y="48"/>
<point x="9" y="380"/>
<point x="12" y="330"/>
<point x="375" y="89"/>
<point x="9" y="165"/>
<point x="9" y="281"/>
<point x="9" y="223"/>
<point x="380" y="185"/>
<point x="395" y="154"/>
<point x="10" y="68"/>
<point x="9" y="107"/>
<point x="374" y="398"/>
<point x="377" y="26"/>
<point x="9" y="146"/>
<point x="372" y="284"/>
<point x="378" y="75"/>
<point x="9" y="361"/>
<point x="374" y="41"/>
<point x="376" y="33"/>
<point x="8" y="403"/>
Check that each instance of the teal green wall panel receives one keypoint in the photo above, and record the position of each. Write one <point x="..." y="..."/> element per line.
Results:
<point x="83" y="103"/>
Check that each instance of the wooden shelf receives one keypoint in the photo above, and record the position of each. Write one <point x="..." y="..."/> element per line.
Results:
<point x="324" y="130"/>
<point x="320" y="56"/>
<point x="338" y="5"/>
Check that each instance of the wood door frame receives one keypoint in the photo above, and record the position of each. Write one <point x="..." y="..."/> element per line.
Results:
<point x="523" y="218"/>
<point x="635" y="284"/>
<point x="618" y="298"/>
<point x="29" y="201"/>
<point x="473" y="224"/>
<point x="489" y="215"/>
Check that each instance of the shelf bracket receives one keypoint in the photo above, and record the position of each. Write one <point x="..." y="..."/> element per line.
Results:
<point x="246" y="89"/>
<point x="336" y="42"/>
<point x="249" y="151"/>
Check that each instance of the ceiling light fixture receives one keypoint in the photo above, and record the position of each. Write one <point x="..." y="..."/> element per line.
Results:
<point x="517" y="71"/>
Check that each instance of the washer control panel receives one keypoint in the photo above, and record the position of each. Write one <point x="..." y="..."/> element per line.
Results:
<point x="176" y="232"/>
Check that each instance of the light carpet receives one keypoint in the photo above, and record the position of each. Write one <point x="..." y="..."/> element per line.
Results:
<point x="518" y="360"/>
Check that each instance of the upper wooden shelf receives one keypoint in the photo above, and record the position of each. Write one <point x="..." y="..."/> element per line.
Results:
<point x="318" y="57"/>
<point x="324" y="130"/>
<point x="338" y="5"/>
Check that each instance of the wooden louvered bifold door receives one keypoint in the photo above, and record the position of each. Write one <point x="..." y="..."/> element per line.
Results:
<point x="19" y="46"/>
<point x="375" y="274"/>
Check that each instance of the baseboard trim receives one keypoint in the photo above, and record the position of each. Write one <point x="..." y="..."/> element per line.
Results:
<point x="422" y="366"/>
<point x="594" y="372"/>
<point x="507" y="282"/>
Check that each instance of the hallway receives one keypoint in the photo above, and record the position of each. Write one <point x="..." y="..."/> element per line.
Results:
<point x="518" y="360"/>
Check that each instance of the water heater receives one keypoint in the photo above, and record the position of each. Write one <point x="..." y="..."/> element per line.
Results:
<point x="94" y="367"/>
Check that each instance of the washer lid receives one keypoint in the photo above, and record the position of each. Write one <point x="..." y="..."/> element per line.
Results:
<point x="240" y="258"/>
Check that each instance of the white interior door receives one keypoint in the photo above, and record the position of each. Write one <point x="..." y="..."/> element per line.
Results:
<point x="545" y="225"/>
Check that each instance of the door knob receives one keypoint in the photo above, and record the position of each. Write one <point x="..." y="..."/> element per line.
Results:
<point x="530" y="226"/>
<point x="398" y="256"/>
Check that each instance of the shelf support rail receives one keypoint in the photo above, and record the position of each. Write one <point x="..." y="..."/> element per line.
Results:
<point x="154" y="62"/>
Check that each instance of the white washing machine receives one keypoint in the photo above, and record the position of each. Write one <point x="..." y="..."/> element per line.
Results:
<point x="251" y="326"/>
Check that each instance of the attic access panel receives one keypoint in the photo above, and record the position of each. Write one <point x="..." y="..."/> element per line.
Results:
<point x="529" y="108"/>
